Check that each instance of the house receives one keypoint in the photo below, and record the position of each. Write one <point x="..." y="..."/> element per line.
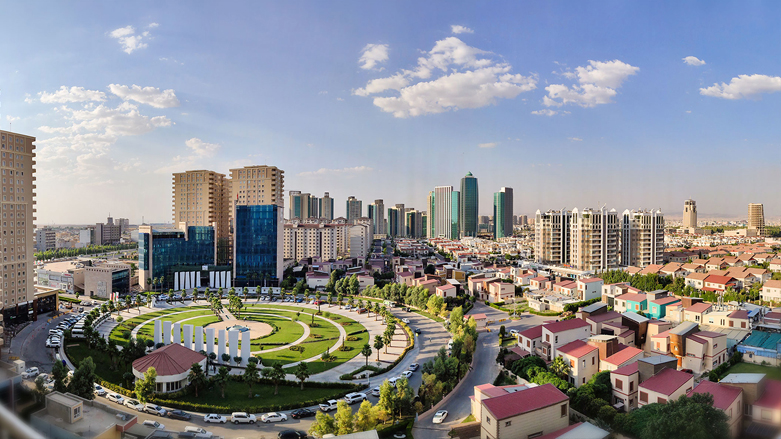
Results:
<point x="692" y="268"/>
<point x="530" y="338"/>
<point x="651" y="269"/>
<point x="669" y="384"/>
<point x="737" y="319"/>
<point x="761" y="347"/>
<point x="761" y="402"/>
<point x="631" y="302"/>
<point x="727" y="399"/>
<point x="719" y="284"/>
<point x="590" y="288"/>
<point x="716" y="264"/>
<point x="632" y="270"/>
<point x="406" y="278"/>
<point x="447" y="290"/>
<point x="499" y="291"/>
<point x="771" y="291"/>
<point x="774" y="265"/>
<point x="539" y="283"/>
<point x="580" y="430"/>
<point x="596" y="321"/>
<point x="560" y="333"/>
<point x="657" y="309"/>
<point x="695" y="312"/>
<point x="486" y="391"/>
<point x="674" y="270"/>
<point x="625" y="381"/>
<point x="364" y="281"/>
<point x="565" y="287"/>
<point x="627" y="355"/>
<point x="696" y="280"/>
<point x="705" y="350"/>
<point x="533" y="412"/>
<point x="583" y="360"/>
<point x="611" y="291"/>
<point x="429" y="285"/>
<point x="772" y="318"/>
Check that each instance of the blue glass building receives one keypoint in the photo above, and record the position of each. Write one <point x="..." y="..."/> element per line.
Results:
<point x="257" y="250"/>
<point x="164" y="252"/>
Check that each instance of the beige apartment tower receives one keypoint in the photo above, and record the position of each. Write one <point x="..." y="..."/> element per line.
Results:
<point x="594" y="239"/>
<point x="202" y="198"/>
<point x="642" y="238"/>
<point x="756" y="218"/>
<point x="18" y="168"/>
<point x="552" y="237"/>
<point x="689" y="214"/>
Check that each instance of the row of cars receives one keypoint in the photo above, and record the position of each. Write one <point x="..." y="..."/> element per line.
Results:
<point x="354" y="398"/>
<point x="54" y="340"/>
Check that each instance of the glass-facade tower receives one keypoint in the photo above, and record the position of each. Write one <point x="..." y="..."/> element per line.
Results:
<point x="256" y="245"/>
<point x="503" y="213"/>
<point x="469" y="206"/>
<point x="163" y="252"/>
<point x="455" y="209"/>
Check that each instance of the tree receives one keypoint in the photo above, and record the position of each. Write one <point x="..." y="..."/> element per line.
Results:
<point x="387" y="401"/>
<point x="690" y="418"/>
<point x="387" y="338"/>
<point x="404" y="396"/>
<point x="221" y="379"/>
<point x="559" y="367"/>
<point x="127" y="378"/>
<point x="343" y="418"/>
<point x="82" y="383"/>
<point x="434" y="305"/>
<point x="146" y="386"/>
<point x="324" y="424"/>
<point x="366" y="351"/>
<point x="237" y="359"/>
<point x="40" y="389"/>
<point x="225" y="358"/>
<point x="59" y="374"/>
<point x="251" y="376"/>
<point x="365" y="418"/>
<point x="430" y="269"/>
<point x="378" y="344"/>
<point x="302" y="373"/>
<point x="275" y="374"/>
<point x="196" y="378"/>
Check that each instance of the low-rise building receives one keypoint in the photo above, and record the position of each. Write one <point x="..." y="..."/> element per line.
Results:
<point x="172" y="364"/>
<point x="447" y="290"/>
<point x="657" y="309"/>
<point x="727" y="399"/>
<point x="634" y="302"/>
<point x="669" y="384"/>
<point x="560" y="333"/>
<point x="68" y="416"/>
<point x="102" y="280"/>
<point x="696" y="312"/>
<point x="583" y="360"/>
<point x="531" y="338"/>
<point x="533" y="412"/>
<point x="761" y="402"/>
<point x="625" y="356"/>
<point x="771" y="291"/>
<point x="590" y="288"/>
<point x="499" y="291"/>
<point x="625" y="382"/>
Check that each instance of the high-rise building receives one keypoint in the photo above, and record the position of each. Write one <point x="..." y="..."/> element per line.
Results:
<point x="484" y="219"/>
<point x="401" y="231"/>
<point x="552" y="237"/>
<point x="310" y="240"/>
<point x="354" y="208"/>
<point x="503" y="213"/>
<point x="107" y="234"/>
<point x="689" y="214"/>
<point x="455" y="215"/>
<point x="376" y="212"/>
<point x="423" y="224"/>
<point x="469" y="205"/>
<point x="45" y="239"/>
<point x="430" y="216"/>
<point x="414" y="223"/>
<point x="294" y="201"/>
<point x="327" y="207"/>
<point x="257" y="218"/>
<point x="18" y="268"/>
<point x="314" y="207"/>
<point x="168" y="256"/>
<point x="756" y="218"/>
<point x="522" y="220"/>
<point x="594" y="239"/>
<point x="642" y="237"/>
<point x="202" y="198"/>
<point x="443" y="212"/>
<point x="394" y="222"/>
<point x="301" y="205"/>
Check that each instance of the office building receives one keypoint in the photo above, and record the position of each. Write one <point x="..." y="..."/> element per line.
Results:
<point x="314" y="207"/>
<point x="552" y="237"/>
<point x="202" y="198"/>
<point x="423" y="224"/>
<point x="689" y="214"/>
<point x="503" y="213"/>
<point x="442" y="220"/>
<point x="294" y="208"/>
<point x="402" y="226"/>
<point x="756" y="218"/>
<point x="470" y="203"/>
<point x="415" y="225"/>
<point x="395" y="222"/>
<point x="642" y="237"/>
<point x="594" y="239"/>
<point x="301" y="205"/>
<point x="45" y="239"/>
<point x="430" y="216"/>
<point x="102" y="280"/>
<point x="257" y="217"/>
<point x="455" y="215"/>
<point x="326" y="207"/>
<point x="109" y="233"/>
<point x="310" y="241"/>
<point x="85" y="238"/>
<point x="377" y="214"/>
<point x="354" y="208"/>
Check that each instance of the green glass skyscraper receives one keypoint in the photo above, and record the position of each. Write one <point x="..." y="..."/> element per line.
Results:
<point x="455" y="214"/>
<point x="503" y="213"/>
<point x="469" y="205"/>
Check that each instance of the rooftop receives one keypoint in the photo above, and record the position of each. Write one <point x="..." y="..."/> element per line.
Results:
<point x="623" y="355"/>
<point x="604" y="316"/>
<point x="743" y="378"/>
<point x="581" y="430"/>
<point x="632" y="297"/>
<point x="525" y="401"/>
<point x="534" y="332"/>
<point x="699" y="307"/>
<point x="723" y="396"/>
<point x="577" y="348"/>
<point x="771" y="398"/>
<point x="667" y="381"/>
<point x="629" y="369"/>
<point x="566" y="325"/>
<point x="172" y="359"/>
<point x="764" y="340"/>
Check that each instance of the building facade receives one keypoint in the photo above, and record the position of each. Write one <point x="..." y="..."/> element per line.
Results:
<point x="595" y="236"/>
<point x="642" y="238"/>
<point x="503" y="213"/>
<point x="690" y="214"/>
<point x="202" y="198"/>
<point x="455" y="215"/>
<point x="469" y="205"/>
<point x="165" y="253"/>
<point x="45" y="239"/>
<point x="354" y="208"/>
<point x="376" y="212"/>
<point x="552" y="237"/>
<point x="443" y="212"/>
<point x="326" y="207"/>
<point x="756" y="218"/>
<point x="309" y="241"/>
<point x="107" y="233"/>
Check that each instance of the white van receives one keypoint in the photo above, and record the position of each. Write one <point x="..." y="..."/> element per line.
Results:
<point x="353" y="398"/>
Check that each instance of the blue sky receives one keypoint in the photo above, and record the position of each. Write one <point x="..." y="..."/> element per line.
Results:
<point x="573" y="104"/>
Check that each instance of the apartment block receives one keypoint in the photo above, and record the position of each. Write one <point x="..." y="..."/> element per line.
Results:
<point x="442" y="219"/>
<point x="354" y="208"/>
<point x="376" y="212"/>
<point x="552" y="237"/>
<point x="756" y="218"/>
<point x="201" y="198"/>
<point x="326" y="207"/>
<point x="45" y="239"/>
<point x="595" y="239"/>
<point x="642" y="239"/>
<point x="308" y="241"/>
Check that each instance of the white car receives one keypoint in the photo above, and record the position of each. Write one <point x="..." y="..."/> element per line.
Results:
<point x="406" y="374"/>
<point x="439" y="416"/>
<point x="242" y="418"/>
<point x="55" y="332"/>
<point x="154" y="424"/>
<point x="198" y="431"/>
<point x="273" y="417"/>
<point x="116" y="397"/>
<point x="329" y="405"/>
<point x="99" y="390"/>
<point x="376" y="391"/>
<point x="405" y="321"/>
<point x="52" y="343"/>
<point x="393" y="380"/>
<point x="214" y="418"/>
<point x="414" y="366"/>
<point x="30" y="373"/>
<point x="133" y="404"/>
<point x="354" y="398"/>
<point x="514" y="332"/>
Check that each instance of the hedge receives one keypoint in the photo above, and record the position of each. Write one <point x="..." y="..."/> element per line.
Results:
<point x="404" y="426"/>
<point x="69" y="299"/>
<point x="351" y="375"/>
<point x="573" y="307"/>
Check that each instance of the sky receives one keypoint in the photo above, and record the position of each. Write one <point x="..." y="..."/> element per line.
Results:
<point x="572" y="104"/>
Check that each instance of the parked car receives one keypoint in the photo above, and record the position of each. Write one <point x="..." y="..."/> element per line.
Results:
<point x="353" y="398"/>
<point x="30" y="373"/>
<point x="514" y="332"/>
<point x="154" y="409"/>
<point x="53" y="343"/>
<point x="100" y="391"/>
<point x="133" y="404"/>
<point x="154" y="424"/>
<point x="291" y="434"/>
<point x="301" y="413"/>
<point x="417" y="331"/>
<point x="197" y="432"/>
<point x="328" y="406"/>
<point x="215" y="418"/>
<point x="273" y="417"/>
<point x="242" y="418"/>
<point x="179" y="414"/>
<point x="406" y="374"/>
<point x="362" y="310"/>
<point x="414" y="367"/>
<point x="55" y="332"/>
<point x="376" y="391"/>
<point x="405" y="321"/>
<point x="439" y="416"/>
<point x="393" y="380"/>
<point x="115" y="397"/>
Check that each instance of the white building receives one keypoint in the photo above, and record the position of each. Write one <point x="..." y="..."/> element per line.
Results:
<point x="309" y="240"/>
<point x="443" y="212"/>
<point x="642" y="237"/>
<point x="45" y="239"/>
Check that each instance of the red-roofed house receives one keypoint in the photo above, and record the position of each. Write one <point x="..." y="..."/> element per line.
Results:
<point x="406" y="278"/>
<point x="590" y="288"/>
<point x="772" y="318"/>
<point x="429" y="285"/>
<point x="727" y="399"/>
<point x="771" y="291"/>
<point x="530" y="339"/>
<point x="767" y="408"/>
<point x="719" y="283"/>
<point x="583" y="360"/>
<point x="486" y="391"/>
<point x="539" y="283"/>
<point x="634" y="302"/>
<point x="625" y="381"/>
<point x="172" y="363"/>
<point x="705" y="350"/>
<point x="696" y="312"/>
<point x="560" y="333"/>
<point x="596" y="321"/>
<point x="447" y="290"/>
<point x="533" y="412"/>
<point x="625" y="356"/>
<point x="664" y="386"/>
<point x="696" y="280"/>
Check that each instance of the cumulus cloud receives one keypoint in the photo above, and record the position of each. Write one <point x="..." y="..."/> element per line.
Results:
<point x="373" y="54"/>
<point x="597" y="84"/>
<point x="129" y="40"/>
<point x="487" y="145"/>
<point x="545" y="112"/>
<point x="146" y="95"/>
<point x="574" y="139"/>
<point x="201" y="148"/>
<point x="458" y="29"/>
<point x="468" y="78"/>
<point x="10" y="118"/>
<point x="744" y="87"/>
<point x="28" y="98"/>
<point x="693" y="61"/>
<point x="334" y="172"/>
<point x="73" y="94"/>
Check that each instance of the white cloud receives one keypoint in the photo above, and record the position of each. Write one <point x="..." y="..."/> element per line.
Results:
<point x="28" y="98"/>
<point x="598" y="83"/>
<point x="129" y="40"/>
<point x="470" y="79"/>
<point x="201" y="148"/>
<point x="173" y="60"/>
<point x="744" y="87"/>
<point x="339" y="99"/>
<point x="545" y="112"/>
<point x="334" y="172"/>
<point x="458" y="29"/>
<point x="487" y="145"/>
<point x="373" y="54"/>
<point x="693" y="61"/>
<point x="146" y="95"/>
<point x="10" y="118"/>
<point x="322" y="92"/>
<point x="152" y="25"/>
<point x="574" y="139"/>
<point x="73" y="94"/>
<point x="688" y="111"/>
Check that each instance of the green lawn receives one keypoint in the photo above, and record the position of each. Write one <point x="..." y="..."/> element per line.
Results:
<point x="771" y="372"/>
<point x="102" y="362"/>
<point x="312" y="346"/>
<point x="148" y="330"/>
<point x="342" y="356"/>
<point x="236" y="394"/>
<point x="287" y="331"/>
<point x="130" y="324"/>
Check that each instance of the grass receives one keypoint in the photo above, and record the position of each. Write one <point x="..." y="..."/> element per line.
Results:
<point x="773" y="373"/>
<point x="312" y="346"/>
<point x="428" y="316"/>
<point x="130" y="324"/>
<point x="148" y="330"/>
<point x="102" y="362"/>
<point x="287" y="331"/>
<point x="470" y="418"/>
<point x="509" y="341"/>
<point x="341" y="357"/>
<point x="236" y="394"/>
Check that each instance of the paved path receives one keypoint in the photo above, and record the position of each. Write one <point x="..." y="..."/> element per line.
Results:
<point x="307" y="331"/>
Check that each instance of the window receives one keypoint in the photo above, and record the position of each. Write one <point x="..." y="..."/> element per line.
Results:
<point x="508" y="423"/>
<point x="76" y="412"/>
<point x="533" y="435"/>
<point x="643" y="397"/>
<point x="571" y="363"/>
<point x="593" y="360"/>
<point x="619" y="385"/>
<point x="564" y="410"/>
<point x="487" y="420"/>
<point x="631" y="386"/>
<point x="661" y="400"/>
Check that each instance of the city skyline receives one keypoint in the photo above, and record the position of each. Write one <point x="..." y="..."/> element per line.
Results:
<point x="159" y="96"/>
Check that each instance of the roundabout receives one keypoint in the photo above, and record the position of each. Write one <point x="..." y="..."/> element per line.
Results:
<point x="256" y="329"/>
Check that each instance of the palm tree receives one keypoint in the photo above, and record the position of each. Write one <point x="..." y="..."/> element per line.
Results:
<point x="148" y="282"/>
<point x="559" y="367"/>
<point x="196" y="377"/>
<point x="317" y="298"/>
<point x="251" y="376"/>
<point x="221" y="379"/>
<point x="378" y="344"/>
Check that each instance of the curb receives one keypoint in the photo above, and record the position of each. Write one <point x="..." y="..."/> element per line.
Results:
<point x="447" y="397"/>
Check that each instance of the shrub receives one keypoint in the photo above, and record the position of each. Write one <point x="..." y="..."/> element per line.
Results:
<point x="344" y="348"/>
<point x="352" y="338"/>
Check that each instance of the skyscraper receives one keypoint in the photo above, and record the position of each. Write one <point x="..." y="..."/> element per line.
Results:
<point x="327" y="207"/>
<point x="354" y="208"/>
<point x="314" y="207"/>
<point x="300" y="204"/>
<point x="455" y="215"/>
<point x="689" y="214"/>
<point x="552" y="237"/>
<point x="377" y="215"/>
<point x="430" y="215"/>
<point x="402" y="227"/>
<point x="642" y="237"/>
<point x="394" y="221"/>
<point x="443" y="212"/>
<point x="594" y="239"/>
<point x="756" y="218"/>
<point x="257" y="214"/>
<point x="202" y="198"/>
<point x="469" y="205"/>
<point x="503" y="213"/>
